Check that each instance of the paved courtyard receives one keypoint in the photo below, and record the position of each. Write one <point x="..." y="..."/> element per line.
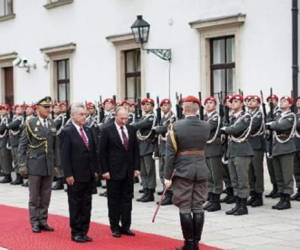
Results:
<point x="263" y="228"/>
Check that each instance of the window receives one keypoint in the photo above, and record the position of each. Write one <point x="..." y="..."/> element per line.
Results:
<point x="63" y="80"/>
<point x="222" y="67"/>
<point x="132" y="74"/>
<point x="8" y="85"/>
<point x="6" y="7"/>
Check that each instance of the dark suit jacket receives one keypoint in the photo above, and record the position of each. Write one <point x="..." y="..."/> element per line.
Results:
<point x="120" y="163"/>
<point x="77" y="160"/>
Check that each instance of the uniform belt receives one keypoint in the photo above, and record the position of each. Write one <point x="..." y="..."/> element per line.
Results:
<point x="191" y="153"/>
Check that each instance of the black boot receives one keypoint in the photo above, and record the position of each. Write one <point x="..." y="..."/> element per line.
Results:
<point x="216" y="205"/>
<point x="187" y="227"/>
<point x="168" y="199"/>
<point x="208" y="201"/>
<point x="279" y="203"/>
<point x="251" y="199"/>
<point x="25" y="183"/>
<point x="242" y="210"/>
<point x="198" y="222"/>
<point x="258" y="202"/>
<point x="149" y="196"/>
<point x="18" y="180"/>
<point x="236" y="207"/>
<point x="229" y="198"/>
<point x="286" y="204"/>
<point x="296" y="196"/>
<point x="59" y="184"/>
<point x="274" y="193"/>
<point x="145" y="193"/>
<point x="6" y="179"/>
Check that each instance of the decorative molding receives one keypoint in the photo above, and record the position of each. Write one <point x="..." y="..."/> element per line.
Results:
<point x="59" y="49"/>
<point x="7" y="17"/>
<point x="201" y="24"/>
<point x="8" y="56"/>
<point x="52" y="5"/>
<point x="120" y="38"/>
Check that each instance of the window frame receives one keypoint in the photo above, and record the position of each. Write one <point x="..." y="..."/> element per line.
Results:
<point x="65" y="81"/>
<point x="7" y="11"/>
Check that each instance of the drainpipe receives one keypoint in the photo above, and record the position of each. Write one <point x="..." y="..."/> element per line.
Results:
<point x="295" y="66"/>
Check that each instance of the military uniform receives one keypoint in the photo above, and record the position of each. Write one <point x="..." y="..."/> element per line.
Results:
<point x="297" y="160"/>
<point x="283" y="156"/>
<point x="185" y="159"/>
<point x="37" y="157"/>
<point x="239" y="154"/>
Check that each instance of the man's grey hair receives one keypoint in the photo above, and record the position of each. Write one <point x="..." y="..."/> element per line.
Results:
<point x="190" y="108"/>
<point x="75" y="108"/>
<point x="121" y="109"/>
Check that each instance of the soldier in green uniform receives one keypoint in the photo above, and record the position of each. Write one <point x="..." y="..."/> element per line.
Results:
<point x="5" y="155"/>
<point x="36" y="154"/>
<point x="185" y="160"/>
<point x="239" y="154"/>
<point x="213" y="154"/>
<point x="145" y="136"/>
<point x="256" y="139"/>
<point x="283" y="151"/>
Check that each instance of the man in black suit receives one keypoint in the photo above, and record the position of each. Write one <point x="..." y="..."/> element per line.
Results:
<point x="119" y="165"/>
<point x="78" y="154"/>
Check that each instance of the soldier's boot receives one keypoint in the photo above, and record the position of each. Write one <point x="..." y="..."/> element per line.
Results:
<point x="296" y="196"/>
<point x="187" y="228"/>
<point x="258" y="202"/>
<point x="242" y="210"/>
<point x="229" y="198"/>
<point x="252" y="198"/>
<point x="279" y="203"/>
<point x="149" y="197"/>
<point x="198" y="222"/>
<point x="18" y="180"/>
<point x="216" y="205"/>
<point x="141" y="191"/>
<point x="59" y="184"/>
<point x="209" y="201"/>
<point x="168" y="199"/>
<point x="235" y="208"/>
<point x="6" y="179"/>
<point x="146" y="190"/>
<point x="274" y="193"/>
<point x="286" y="204"/>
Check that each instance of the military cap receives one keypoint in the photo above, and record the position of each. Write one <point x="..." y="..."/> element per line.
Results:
<point x="89" y="105"/>
<point x="5" y="106"/>
<point x="255" y="97"/>
<point x="272" y="97"/>
<point x="210" y="98"/>
<point x="228" y="97"/>
<point x="288" y="98"/>
<point x="124" y="102"/>
<point x="192" y="99"/>
<point x="46" y="101"/>
<point x="236" y="97"/>
<point x="147" y="100"/>
<point x="165" y="101"/>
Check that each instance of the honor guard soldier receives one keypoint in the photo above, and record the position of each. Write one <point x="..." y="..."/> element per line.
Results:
<point x="272" y="115"/>
<point x="60" y="121"/>
<point x="145" y="136"/>
<point x="167" y="119"/>
<point x="30" y="111"/>
<point x="256" y="140"/>
<point x="91" y="120"/>
<point x="5" y="154"/>
<point x="36" y="159"/>
<point x="283" y="151"/>
<point x="109" y="110"/>
<point x="239" y="154"/>
<point x="187" y="172"/>
<point x="127" y="105"/>
<point x="15" y="128"/>
<point x="296" y="196"/>
<point x="213" y="154"/>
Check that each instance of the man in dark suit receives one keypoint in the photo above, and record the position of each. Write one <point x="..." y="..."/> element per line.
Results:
<point x="119" y="164"/>
<point x="78" y="156"/>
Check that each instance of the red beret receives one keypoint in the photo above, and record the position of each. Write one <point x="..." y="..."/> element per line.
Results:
<point x="165" y="101"/>
<point x="109" y="100"/>
<point x="228" y="97"/>
<point x="250" y="97"/>
<point x="5" y="106"/>
<point x="89" y="105"/>
<point x="18" y="106"/>
<point x="33" y="106"/>
<point x="236" y="97"/>
<point x="273" y="97"/>
<point x="147" y="100"/>
<point x="124" y="102"/>
<point x="288" y="98"/>
<point x="192" y="99"/>
<point x="210" y="98"/>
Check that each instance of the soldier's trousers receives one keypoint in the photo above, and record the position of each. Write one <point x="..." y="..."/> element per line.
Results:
<point x="256" y="172"/>
<point x="148" y="173"/>
<point x="161" y="168"/>
<point x="238" y="169"/>
<point x="39" y="198"/>
<point x="226" y="176"/>
<point x="215" y="179"/>
<point x="189" y="195"/>
<point x="5" y="161"/>
<point x="297" y="169"/>
<point x="284" y="168"/>
<point x="14" y="154"/>
<point x="271" y="170"/>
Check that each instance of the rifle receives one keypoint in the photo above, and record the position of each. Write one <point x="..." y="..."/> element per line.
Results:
<point x="24" y="112"/>
<point x="270" y="146"/>
<point x="178" y="107"/>
<point x="138" y="110"/>
<point x="158" y="111"/>
<point x="293" y="107"/>
<point x="68" y="110"/>
<point x="263" y="105"/>
<point x="221" y="105"/>
<point x="201" y="108"/>
<point x="101" y="110"/>
<point x="148" y="95"/>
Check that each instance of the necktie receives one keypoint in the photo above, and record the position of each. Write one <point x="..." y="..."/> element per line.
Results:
<point x="125" y="139"/>
<point x="84" y="138"/>
<point x="45" y="123"/>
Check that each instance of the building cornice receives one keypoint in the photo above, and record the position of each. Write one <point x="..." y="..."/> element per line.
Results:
<point x="119" y="38"/>
<point x="64" y="48"/>
<point x="7" y="17"/>
<point x="52" y="5"/>
<point x="8" y="56"/>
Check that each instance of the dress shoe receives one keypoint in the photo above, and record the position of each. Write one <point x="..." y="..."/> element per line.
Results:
<point x="36" y="229"/>
<point x="78" y="239"/>
<point x="116" y="233"/>
<point x="59" y="185"/>
<point x="87" y="238"/>
<point x="127" y="232"/>
<point x="46" y="227"/>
